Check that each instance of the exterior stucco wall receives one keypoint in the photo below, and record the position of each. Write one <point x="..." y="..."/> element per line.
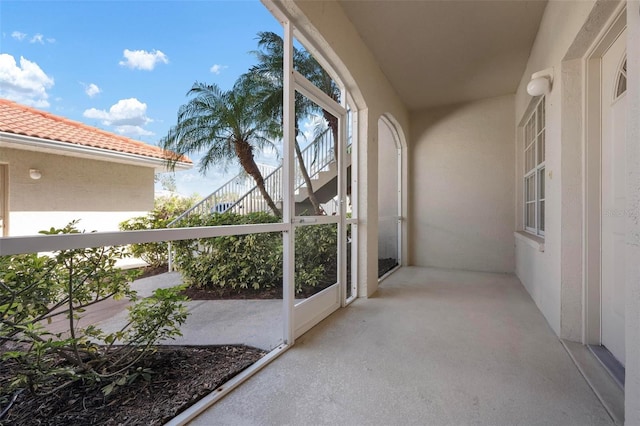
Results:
<point x="632" y="337"/>
<point x="331" y="34"/>
<point x="553" y="277"/>
<point x="561" y="22"/>
<point x="558" y="277"/>
<point x="99" y="193"/>
<point x="30" y="223"/>
<point x="461" y="214"/>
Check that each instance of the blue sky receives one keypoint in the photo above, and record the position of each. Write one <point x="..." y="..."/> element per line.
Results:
<point x="126" y="66"/>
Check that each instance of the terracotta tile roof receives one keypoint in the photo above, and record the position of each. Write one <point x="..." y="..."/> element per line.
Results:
<point x="24" y="120"/>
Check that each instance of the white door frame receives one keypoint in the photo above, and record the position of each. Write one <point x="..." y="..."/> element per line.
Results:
<point x="302" y="316"/>
<point x="592" y="333"/>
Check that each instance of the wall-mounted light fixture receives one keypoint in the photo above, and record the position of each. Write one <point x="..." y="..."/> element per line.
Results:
<point x="35" y="174"/>
<point x="540" y="83"/>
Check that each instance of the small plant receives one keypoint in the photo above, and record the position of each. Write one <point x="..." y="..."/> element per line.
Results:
<point x="165" y="210"/>
<point x="36" y="289"/>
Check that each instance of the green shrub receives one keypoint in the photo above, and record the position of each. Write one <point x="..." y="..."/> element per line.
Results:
<point x="165" y="210"/>
<point x="255" y="260"/>
<point x="316" y="256"/>
<point x="238" y="261"/>
<point x="35" y="289"/>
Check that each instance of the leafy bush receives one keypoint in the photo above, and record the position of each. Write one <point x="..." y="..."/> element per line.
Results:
<point x="237" y="261"/>
<point x="254" y="260"/>
<point x="165" y="210"/>
<point x="316" y="256"/>
<point x="36" y="289"/>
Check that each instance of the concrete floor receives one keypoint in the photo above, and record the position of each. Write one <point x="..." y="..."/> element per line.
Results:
<point x="433" y="347"/>
<point x="257" y="323"/>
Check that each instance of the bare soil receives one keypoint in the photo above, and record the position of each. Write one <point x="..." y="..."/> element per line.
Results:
<point x="183" y="375"/>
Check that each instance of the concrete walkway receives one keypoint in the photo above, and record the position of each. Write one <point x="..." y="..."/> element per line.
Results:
<point x="433" y="348"/>
<point x="255" y="323"/>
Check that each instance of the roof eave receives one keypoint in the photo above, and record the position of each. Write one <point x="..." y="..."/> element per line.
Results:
<point x="13" y="140"/>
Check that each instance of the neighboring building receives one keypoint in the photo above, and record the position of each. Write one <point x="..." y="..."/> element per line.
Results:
<point x="54" y="170"/>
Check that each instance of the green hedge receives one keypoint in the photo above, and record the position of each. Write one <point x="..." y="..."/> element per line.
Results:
<point x="238" y="261"/>
<point x="255" y="260"/>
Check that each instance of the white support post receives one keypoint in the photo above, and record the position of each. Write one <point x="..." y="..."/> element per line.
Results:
<point x="342" y="196"/>
<point x="288" y="178"/>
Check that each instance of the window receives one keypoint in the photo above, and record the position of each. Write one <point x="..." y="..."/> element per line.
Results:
<point x="621" y="84"/>
<point x="534" y="168"/>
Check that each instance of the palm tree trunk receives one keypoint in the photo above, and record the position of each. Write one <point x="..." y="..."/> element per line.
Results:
<point x="333" y="125"/>
<point x="307" y="180"/>
<point x="244" y="151"/>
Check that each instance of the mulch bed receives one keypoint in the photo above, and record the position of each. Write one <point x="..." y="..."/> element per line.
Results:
<point x="233" y="294"/>
<point x="184" y="374"/>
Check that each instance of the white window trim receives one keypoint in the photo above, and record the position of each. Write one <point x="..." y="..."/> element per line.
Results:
<point x="535" y="172"/>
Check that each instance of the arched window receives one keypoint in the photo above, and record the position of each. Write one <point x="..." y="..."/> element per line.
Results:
<point x="621" y="83"/>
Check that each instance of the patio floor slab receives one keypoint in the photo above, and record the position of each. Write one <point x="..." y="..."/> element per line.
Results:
<point x="433" y="347"/>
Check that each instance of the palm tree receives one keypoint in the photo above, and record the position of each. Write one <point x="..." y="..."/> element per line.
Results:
<point x="266" y="79"/>
<point x="224" y="126"/>
<point x="314" y="72"/>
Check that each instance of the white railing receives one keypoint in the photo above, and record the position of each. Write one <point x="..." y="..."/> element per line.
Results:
<point x="253" y="201"/>
<point x="226" y="196"/>
<point x="317" y="158"/>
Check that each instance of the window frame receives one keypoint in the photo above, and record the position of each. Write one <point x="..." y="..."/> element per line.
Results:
<point x="534" y="167"/>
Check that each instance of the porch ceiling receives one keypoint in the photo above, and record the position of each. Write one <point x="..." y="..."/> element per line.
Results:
<point x="448" y="51"/>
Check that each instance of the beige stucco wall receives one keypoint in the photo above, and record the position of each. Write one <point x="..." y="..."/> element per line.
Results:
<point x="100" y="193"/>
<point x="332" y="35"/>
<point x="553" y="277"/>
<point x="632" y="383"/>
<point x="556" y="278"/>
<point x="461" y="213"/>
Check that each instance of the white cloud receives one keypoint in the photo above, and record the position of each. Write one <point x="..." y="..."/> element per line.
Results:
<point x="128" y="116"/>
<point x="37" y="38"/>
<point x="143" y="60"/>
<point x="91" y="89"/>
<point x="18" y="35"/>
<point x="217" y="68"/>
<point x="26" y="83"/>
<point x="133" y="131"/>
<point x="190" y="177"/>
<point x="269" y="155"/>
<point x="190" y="182"/>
